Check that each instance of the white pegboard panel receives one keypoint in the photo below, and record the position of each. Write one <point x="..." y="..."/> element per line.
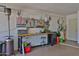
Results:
<point x="1" y="10"/>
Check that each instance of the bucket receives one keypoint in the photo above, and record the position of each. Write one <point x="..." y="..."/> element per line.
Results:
<point x="27" y="49"/>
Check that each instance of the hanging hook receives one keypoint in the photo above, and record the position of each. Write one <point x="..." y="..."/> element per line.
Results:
<point x="19" y="12"/>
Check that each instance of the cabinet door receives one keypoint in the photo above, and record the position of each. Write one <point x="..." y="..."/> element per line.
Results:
<point x="39" y="40"/>
<point x="44" y="39"/>
<point x="35" y="40"/>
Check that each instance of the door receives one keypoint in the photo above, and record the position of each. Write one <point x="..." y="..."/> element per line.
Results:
<point x="72" y="27"/>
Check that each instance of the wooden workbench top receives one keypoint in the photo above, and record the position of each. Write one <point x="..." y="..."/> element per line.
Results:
<point x="32" y="34"/>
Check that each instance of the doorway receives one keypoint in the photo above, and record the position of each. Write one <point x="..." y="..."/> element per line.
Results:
<point x="72" y="30"/>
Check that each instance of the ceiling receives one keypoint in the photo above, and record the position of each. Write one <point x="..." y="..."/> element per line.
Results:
<point x="58" y="8"/>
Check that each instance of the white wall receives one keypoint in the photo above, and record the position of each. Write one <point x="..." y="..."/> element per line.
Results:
<point x="37" y="14"/>
<point x="78" y="27"/>
<point x="26" y="13"/>
<point x="4" y="27"/>
<point x="72" y="27"/>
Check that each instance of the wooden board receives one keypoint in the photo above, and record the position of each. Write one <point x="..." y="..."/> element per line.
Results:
<point x="32" y="34"/>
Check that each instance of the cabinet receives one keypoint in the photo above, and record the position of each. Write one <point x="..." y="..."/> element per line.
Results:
<point x="34" y="39"/>
<point x="37" y="39"/>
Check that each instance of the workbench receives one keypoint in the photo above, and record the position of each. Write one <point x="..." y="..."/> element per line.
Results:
<point x="23" y="35"/>
<point x="36" y="39"/>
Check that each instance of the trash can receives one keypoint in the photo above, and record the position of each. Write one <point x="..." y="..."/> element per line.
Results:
<point x="57" y="40"/>
<point x="53" y="38"/>
<point x="2" y="48"/>
<point x="1" y="45"/>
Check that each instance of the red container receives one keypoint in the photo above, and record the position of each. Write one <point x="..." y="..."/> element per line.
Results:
<point x="27" y="49"/>
<point x="57" y="40"/>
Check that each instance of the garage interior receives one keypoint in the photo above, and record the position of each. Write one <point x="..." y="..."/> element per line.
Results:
<point x="39" y="29"/>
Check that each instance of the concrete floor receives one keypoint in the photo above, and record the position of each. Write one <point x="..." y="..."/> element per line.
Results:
<point x="56" y="50"/>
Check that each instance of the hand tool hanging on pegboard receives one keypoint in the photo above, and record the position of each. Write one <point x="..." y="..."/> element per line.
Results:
<point x="20" y="19"/>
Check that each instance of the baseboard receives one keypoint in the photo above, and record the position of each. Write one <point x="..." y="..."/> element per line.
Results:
<point x="70" y="45"/>
<point x="39" y="45"/>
